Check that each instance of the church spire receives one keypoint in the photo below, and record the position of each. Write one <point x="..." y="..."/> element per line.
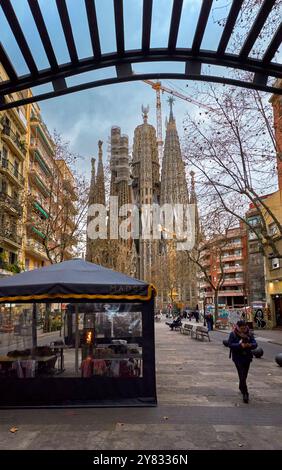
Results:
<point x="193" y="200"/>
<point x="171" y="101"/>
<point x="92" y="189"/>
<point x="100" y="180"/>
<point x="145" y="111"/>
<point x="173" y="179"/>
<point x="193" y="196"/>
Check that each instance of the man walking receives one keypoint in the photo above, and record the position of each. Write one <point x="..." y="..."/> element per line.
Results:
<point x="241" y="342"/>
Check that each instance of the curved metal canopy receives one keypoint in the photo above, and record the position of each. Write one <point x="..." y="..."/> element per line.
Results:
<point x="122" y="59"/>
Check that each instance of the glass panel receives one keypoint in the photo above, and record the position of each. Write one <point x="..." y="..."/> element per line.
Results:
<point x="109" y="338"/>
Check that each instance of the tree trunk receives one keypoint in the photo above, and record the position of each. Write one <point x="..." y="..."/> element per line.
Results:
<point x="47" y="325"/>
<point x="215" y="305"/>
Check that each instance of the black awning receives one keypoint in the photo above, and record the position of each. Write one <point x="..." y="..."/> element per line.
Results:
<point x="75" y="279"/>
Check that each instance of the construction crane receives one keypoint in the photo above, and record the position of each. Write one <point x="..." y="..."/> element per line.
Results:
<point x="158" y="87"/>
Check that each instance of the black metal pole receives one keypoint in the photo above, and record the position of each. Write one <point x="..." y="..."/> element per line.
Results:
<point x="34" y="326"/>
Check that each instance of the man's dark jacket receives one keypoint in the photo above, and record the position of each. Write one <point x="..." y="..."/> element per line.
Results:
<point x="240" y="354"/>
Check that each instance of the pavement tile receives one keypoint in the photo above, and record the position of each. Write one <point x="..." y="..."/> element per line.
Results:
<point x="197" y="392"/>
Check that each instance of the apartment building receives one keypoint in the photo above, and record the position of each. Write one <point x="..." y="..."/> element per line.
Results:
<point x="273" y="264"/>
<point x="50" y="199"/>
<point x="13" y="151"/>
<point x="38" y="195"/>
<point x="67" y="204"/>
<point x="229" y="252"/>
<point x="255" y="274"/>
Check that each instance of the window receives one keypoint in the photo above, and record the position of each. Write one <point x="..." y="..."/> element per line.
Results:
<point x="252" y="235"/>
<point x="3" y="186"/>
<point x="6" y="121"/>
<point x="254" y="221"/>
<point x="16" y="168"/>
<point x="273" y="229"/>
<point x="5" y="153"/>
<point x="12" y="258"/>
<point x="275" y="263"/>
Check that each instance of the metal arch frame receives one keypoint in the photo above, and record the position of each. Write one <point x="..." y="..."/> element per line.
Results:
<point x="193" y="58"/>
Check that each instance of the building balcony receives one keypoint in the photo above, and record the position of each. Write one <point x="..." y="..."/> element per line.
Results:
<point x="68" y="185"/>
<point x="42" y="132"/>
<point x="230" y="293"/>
<point x="233" y="269"/>
<point x="18" y="116"/>
<point x="13" y="142"/>
<point x="201" y="275"/>
<point x="10" y="237"/>
<point x="233" y="282"/>
<point x="232" y="246"/>
<point x="205" y="285"/>
<point x="12" y="173"/>
<point x="20" y="119"/>
<point x="70" y="204"/>
<point x="39" y="156"/>
<point x="37" y="180"/>
<point x="36" y="249"/>
<point x="229" y="258"/>
<point x="205" y="263"/>
<point x="10" y="204"/>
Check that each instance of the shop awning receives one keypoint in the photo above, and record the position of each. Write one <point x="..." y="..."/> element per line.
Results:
<point x="73" y="280"/>
<point x="40" y="209"/>
<point x="35" y="230"/>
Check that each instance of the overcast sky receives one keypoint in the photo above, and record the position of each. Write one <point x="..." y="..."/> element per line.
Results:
<point x="85" y="117"/>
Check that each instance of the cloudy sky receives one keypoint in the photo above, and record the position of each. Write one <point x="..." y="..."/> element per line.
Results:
<point x="85" y="117"/>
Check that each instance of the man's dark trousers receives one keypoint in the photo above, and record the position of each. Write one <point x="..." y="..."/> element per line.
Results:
<point x="243" y="369"/>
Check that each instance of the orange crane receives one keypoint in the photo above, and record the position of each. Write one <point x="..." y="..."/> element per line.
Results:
<point x="158" y="87"/>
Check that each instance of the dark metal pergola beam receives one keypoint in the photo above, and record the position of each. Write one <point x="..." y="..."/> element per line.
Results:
<point x="146" y="24"/>
<point x="273" y="46"/>
<point x="229" y="26"/>
<point x="174" y="24"/>
<point x="66" y="25"/>
<point x="119" y="25"/>
<point x="111" y="60"/>
<point x="123" y="59"/>
<point x="148" y="76"/>
<point x="260" y="20"/>
<point x="93" y="27"/>
<point x="201" y="26"/>
<point x="19" y="36"/>
<point x="8" y="66"/>
<point x="43" y="33"/>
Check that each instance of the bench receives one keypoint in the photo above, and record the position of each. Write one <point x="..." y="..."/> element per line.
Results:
<point x="186" y="329"/>
<point x="201" y="332"/>
<point x="222" y="324"/>
<point x="177" y="328"/>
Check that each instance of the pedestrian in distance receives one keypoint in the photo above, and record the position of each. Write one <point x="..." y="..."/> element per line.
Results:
<point x="176" y="323"/>
<point x="196" y="315"/>
<point x="241" y="342"/>
<point x="209" y="321"/>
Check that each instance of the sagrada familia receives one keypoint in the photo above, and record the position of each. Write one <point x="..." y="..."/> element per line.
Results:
<point x="139" y="181"/>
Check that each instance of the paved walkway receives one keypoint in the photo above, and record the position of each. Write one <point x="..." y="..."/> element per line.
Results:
<point x="264" y="336"/>
<point x="199" y="408"/>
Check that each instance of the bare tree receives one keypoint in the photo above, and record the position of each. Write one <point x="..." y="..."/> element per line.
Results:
<point x="209" y="251"/>
<point x="63" y="227"/>
<point x="233" y="149"/>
